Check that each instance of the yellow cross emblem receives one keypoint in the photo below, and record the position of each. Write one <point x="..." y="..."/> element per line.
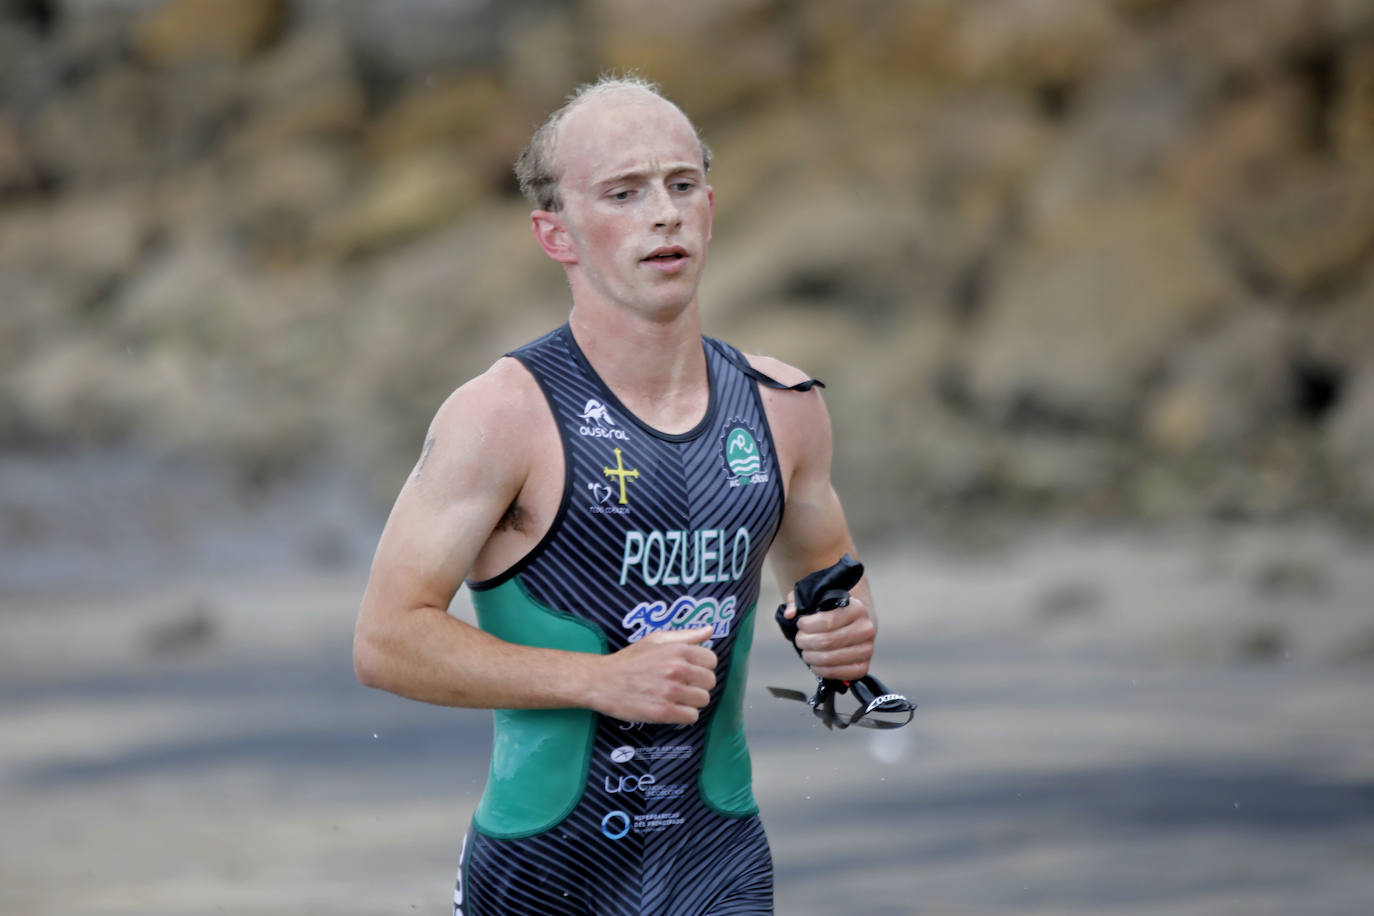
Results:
<point x="619" y="471"/>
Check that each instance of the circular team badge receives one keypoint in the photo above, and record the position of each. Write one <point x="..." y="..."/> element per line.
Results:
<point x="742" y="454"/>
<point x="623" y="754"/>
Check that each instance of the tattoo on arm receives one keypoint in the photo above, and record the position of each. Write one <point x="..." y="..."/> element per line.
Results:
<point x="424" y="456"/>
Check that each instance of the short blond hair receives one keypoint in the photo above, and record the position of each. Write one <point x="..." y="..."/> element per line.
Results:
<point x="534" y="168"/>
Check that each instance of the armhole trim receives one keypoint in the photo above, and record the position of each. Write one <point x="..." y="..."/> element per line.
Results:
<point x="521" y="564"/>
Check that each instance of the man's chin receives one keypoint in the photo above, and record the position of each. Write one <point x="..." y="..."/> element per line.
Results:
<point x="668" y="308"/>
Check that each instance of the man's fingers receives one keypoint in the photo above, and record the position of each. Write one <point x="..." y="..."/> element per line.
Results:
<point x="696" y="696"/>
<point x="692" y="651"/>
<point x="842" y="672"/>
<point x="835" y="658"/>
<point x="844" y="661"/>
<point x="837" y="643"/>
<point x="693" y="636"/>
<point x="791" y="602"/>
<point x="665" y="677"/>
<point x="828" y="621"/>
<point x="696" y="667"/>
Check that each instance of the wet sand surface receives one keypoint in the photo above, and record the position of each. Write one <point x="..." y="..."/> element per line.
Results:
<point x="1124" y="723"/>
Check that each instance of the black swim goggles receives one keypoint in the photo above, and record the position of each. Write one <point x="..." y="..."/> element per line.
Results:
<point x="878" y="707"/>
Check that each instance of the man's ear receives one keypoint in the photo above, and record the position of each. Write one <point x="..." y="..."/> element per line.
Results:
<point x="711" y="215"/>
<point x="552" y="236"/>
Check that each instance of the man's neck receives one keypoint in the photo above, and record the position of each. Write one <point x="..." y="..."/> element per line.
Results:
<point x="656" y="368"/>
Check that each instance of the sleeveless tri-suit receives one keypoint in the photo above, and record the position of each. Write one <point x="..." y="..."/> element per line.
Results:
<point x="586" y="814"/>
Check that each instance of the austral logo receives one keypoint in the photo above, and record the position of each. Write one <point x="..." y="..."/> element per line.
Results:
<point x="598" y="424"/>
<point x="743" y="455"/>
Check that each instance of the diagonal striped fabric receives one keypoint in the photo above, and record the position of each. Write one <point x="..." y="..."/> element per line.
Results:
<point x="590" y="815"/>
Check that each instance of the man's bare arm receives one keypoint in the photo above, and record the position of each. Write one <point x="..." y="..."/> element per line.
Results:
<point x="814" y="534"/>
<point x="473" y="467"/>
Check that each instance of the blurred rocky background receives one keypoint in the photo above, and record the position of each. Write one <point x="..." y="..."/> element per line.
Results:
<point x="1096" y="271"/>
<point x="1070" y="259"/>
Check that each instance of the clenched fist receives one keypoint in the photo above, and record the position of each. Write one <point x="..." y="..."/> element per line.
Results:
<point x="665" y="677"/>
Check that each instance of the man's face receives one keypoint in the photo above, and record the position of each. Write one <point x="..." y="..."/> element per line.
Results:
<point x="636" y="207"/>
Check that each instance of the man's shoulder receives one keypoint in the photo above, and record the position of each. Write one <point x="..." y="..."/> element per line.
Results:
<point x="771" y="366"/>
<point x="497" y="401"/>
<point x="484" y="434"/>
<point x="792" y="413"/>
<point x="786" y="373"/>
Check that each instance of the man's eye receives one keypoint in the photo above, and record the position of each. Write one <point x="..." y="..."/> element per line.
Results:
<point x="621" y="195"/>
<point x="683" y="186"/>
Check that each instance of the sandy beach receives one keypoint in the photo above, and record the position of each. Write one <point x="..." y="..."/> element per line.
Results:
<point x="1116" y="722"/>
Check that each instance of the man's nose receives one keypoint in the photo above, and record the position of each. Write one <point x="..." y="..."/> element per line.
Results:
<point x="667" y="215"/>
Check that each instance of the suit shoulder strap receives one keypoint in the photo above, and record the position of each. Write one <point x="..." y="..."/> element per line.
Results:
<point x="737" y="358"/>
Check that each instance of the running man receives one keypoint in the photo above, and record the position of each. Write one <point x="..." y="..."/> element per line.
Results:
<point x="609" y="493"/>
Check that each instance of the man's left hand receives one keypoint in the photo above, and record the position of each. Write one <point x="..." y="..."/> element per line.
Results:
<point x="838" y="643"/>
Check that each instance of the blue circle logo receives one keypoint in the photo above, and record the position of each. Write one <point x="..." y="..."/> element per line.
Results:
<point x="615" y="825"/>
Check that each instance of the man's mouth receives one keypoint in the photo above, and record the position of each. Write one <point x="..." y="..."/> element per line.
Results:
<point x="667" y="254"/>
